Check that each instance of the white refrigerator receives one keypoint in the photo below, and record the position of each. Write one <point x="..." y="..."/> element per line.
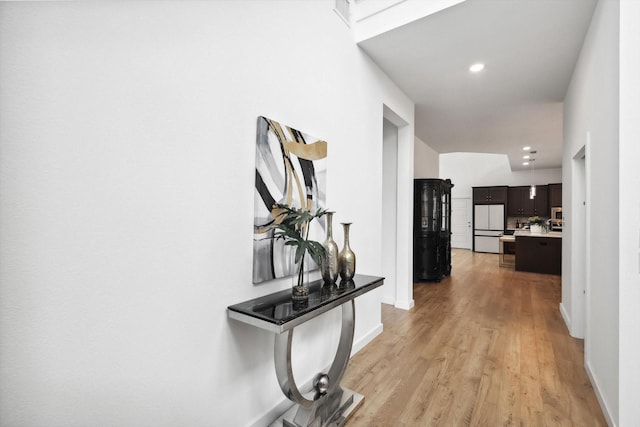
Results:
<point x="488" y="226"/>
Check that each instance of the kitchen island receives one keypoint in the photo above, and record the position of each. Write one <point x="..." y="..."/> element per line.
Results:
<point x="539" y="252"/>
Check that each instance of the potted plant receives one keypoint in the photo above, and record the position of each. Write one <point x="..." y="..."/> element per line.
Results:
<point x="537" y="224"/>
<point x="292" y="226"/>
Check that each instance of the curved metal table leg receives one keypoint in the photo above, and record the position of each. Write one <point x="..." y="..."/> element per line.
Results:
<point x="327" y="408"/>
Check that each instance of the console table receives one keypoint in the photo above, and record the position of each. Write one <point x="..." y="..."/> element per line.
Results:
<point x="327" y="404"/>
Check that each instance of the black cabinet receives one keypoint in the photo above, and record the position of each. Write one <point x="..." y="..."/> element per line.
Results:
<point x="541" y="201"/>
<point x="539" y="254"/>
<point x="431" y="229"/>
<point x="490" y="195"/>
<point x="521" y="204"/>
<point x="555" y="195"/>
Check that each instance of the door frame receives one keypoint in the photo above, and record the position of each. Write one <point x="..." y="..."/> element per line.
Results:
<point x="404" y="210"/>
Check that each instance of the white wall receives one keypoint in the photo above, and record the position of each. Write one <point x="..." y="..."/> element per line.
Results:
<point x="127" y="132"/>
<point x="426" y="162"/>
<point x="467" y="170"/>
<point x="629" y="232"/>
<point x="591" y="117"/>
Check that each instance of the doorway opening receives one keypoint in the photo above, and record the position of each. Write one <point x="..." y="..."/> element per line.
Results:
<point x="389" y="209"/>
<point x="579" y="244"/>
<point x="397" y="210"/>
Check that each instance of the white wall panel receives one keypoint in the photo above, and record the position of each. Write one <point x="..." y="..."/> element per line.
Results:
<point x="127" y="132"/>
<point x="629" y="212"/>
<point x="591" y="117"/>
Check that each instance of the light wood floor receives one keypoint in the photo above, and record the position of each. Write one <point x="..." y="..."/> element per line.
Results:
<point x="484" y="347"/>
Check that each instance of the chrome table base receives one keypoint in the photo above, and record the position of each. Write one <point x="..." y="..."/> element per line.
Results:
<point x="348" y="404"/>
<point x="330" y="403"/>
<point x="327" y="404"/>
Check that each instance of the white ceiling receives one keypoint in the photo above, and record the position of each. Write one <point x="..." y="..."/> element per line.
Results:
<point x="529" y="47"/>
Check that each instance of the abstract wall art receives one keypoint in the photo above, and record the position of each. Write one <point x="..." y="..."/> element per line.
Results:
<point x="290" y="170"/>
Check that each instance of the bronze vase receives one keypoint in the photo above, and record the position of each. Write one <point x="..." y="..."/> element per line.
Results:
<point x="330" y="268"/>
<point x="346" y="258"/>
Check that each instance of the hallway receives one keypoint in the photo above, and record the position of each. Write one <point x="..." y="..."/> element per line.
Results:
<point x="484" y="347"/>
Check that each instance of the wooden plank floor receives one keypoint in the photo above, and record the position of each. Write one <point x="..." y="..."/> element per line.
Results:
<point x="484" y="347"/>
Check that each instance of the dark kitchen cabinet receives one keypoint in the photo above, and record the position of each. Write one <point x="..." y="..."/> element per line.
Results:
<point x="555" y="195"/>
<point x="539" y="254"/>
<point x="490" y="195"/>
<point x="518" y="201"/>
<point x="431" y="229"/>
<point x="520" y="204"/>
<point x="541" y="201"/>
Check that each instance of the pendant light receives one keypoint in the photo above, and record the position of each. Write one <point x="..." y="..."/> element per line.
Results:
<point x="532" y="189"/>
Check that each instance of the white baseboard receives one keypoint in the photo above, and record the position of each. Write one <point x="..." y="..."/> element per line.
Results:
<point x="273" y="414"/>
<point x="282" y="407"/>
<point x="603" y="403"/>
<point x="387" y="300"/>
<point x="362" y="342"/>
<point x="405" y="305"/>
<point x="565" y="316"/>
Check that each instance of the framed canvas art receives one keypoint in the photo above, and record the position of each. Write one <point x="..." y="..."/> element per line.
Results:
<point x="290" y="170"/>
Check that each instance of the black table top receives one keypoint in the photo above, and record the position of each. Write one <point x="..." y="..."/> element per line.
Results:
<point x="277" y="312"/>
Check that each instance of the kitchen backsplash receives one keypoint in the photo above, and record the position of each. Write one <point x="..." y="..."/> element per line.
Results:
<point x="513" y="220"/>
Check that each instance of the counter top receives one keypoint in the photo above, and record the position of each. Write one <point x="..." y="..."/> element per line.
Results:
<point x="527" y="233"/>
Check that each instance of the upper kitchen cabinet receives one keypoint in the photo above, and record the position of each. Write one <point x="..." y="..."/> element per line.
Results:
<point x="490" y="195"/>
<point x="555" y="195"/>
<point x="541" y="201"/>
<point x="520" y="204"/>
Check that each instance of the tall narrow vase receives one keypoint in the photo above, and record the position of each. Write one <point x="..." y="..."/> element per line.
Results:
<point x="330" y="268"/>
<point x="346" y="258"/>
<point x="300" y="282"/>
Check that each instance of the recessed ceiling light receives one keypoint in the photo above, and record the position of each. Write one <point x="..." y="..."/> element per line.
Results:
<point x="526" y="157"/>
<point x="525" y="163"/>
<point x="526" y="148"/>
<point x="476" y="68"/>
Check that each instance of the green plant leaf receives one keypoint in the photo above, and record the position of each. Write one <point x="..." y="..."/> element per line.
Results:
<point x="290" y="225"/>
<point x="316" y="251"/>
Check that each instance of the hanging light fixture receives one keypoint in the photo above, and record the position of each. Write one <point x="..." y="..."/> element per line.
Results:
<point x="532" y="189"/>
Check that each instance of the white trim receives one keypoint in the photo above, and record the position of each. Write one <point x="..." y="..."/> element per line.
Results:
<point x="405" y="305"/>
<point x="580" y="241"/>
<point x="366" y="339"/>
<point x="586" y="312"/>
<point x="342" y="18"/>
<point x="273" y="414"/>
<point x="389" y="208"/>
<point x="565" y="316"/>
<point x="374" y="12"/>
<point x="603" y="404"/>
<point x="404" y="209"/>
<point x="387" y="300"/>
